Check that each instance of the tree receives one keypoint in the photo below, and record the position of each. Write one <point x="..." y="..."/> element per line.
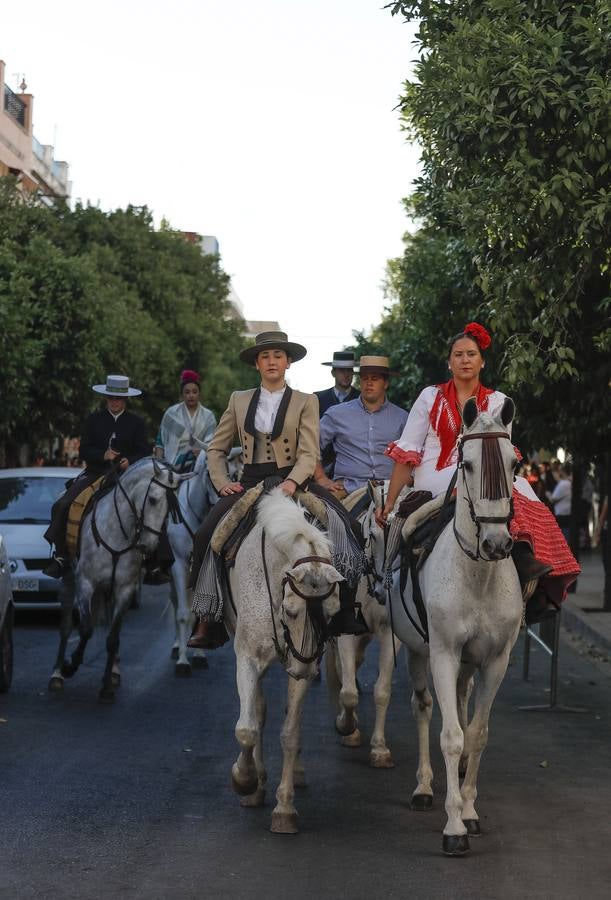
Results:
<point x="84" y="293"/>
<point x="510" y="104"/>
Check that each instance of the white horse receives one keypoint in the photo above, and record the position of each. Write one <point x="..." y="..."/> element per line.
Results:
<point x="196" y="497"/>
<point x="285" y="591"/>
<point x="123" y="526"/>
<point x="473" y="601"/>
<point x="348" y="653"/>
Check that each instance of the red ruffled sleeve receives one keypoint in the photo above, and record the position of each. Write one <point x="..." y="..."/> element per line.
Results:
<point x="403" y="456"/>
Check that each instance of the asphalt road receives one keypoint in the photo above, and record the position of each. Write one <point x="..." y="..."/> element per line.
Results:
<point x="134" y="800"/>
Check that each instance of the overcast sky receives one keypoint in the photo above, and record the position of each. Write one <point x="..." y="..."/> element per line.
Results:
<point x="269" y="124"/>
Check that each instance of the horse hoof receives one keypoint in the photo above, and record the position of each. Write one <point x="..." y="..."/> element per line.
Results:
<point x="352" y="740"/>
<point x="421" y="803"/>
<point x="284" y="823"/>
<point x="174" y="653"/>
<point x="455" y="844"/>
<point x="253" y="800"/>
<point x="242" y="787"/>
<point x="472" y="826"/>
<point x="182" y="670"/>
<point x="381" y="759"/>
<point x="345" y="729"/>
<point x="115" y="679"/>
<point x="199" y="662"/>
<point x="106" y="695"/>
<point x="68" y="669"/>
<point x="56" y="684"/>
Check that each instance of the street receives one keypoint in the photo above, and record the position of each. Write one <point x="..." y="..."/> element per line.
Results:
<point x="134" y="800"/>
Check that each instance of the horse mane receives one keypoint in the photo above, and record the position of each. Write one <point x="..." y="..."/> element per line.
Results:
<point x="284" y="521"/>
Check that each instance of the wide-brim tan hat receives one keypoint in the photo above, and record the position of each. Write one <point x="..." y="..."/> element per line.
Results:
<point x="116" y="386"/>
<point x="342" y="359"/>
<point x="272" y="340"/>
<point x="375" y="365"/>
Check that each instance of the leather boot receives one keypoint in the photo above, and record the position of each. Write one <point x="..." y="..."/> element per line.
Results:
<point x="349" y="619"/>
<point x="57" y="568"/>
<point x="208" y="636"/>
<point x="529" y="567"/>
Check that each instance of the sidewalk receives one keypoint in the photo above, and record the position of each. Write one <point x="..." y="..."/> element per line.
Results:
<point x="594" y="627"/>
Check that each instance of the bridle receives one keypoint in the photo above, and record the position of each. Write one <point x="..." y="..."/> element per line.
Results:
<point x="500" y="485"/>
<point x="313" y="611"/>
<point x="140" y="524"/>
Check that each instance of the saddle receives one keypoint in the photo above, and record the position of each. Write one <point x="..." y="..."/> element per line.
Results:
<point x="237" y="523"/>
<point x="78" y="508"/>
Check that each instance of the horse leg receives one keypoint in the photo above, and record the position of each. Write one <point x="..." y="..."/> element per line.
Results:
<point x="244" y="775"/>
<point x="56" y="682"/>
<point x="346" y="722"/>
<point x="284" y="816"/>
<point x="422" y="710"/>
<point x="476" y="735"/>
<point x="464" y="690"/>
<point x="258" y="798"/>
<point x="445" y="667"/>
<point x="181" y="617"/>
<point x="380" y="756"/>
<point x="107" y="694"/>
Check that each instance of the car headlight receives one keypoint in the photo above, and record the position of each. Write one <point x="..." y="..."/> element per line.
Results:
<point x="12" y="564"/>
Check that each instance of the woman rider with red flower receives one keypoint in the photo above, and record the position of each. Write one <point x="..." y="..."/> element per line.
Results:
<point x="426" y="456"/>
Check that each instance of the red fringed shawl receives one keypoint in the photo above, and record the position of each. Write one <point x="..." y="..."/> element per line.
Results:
<point x="446" y="419"/>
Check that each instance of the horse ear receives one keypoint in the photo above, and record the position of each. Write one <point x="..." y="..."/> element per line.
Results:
<point x="508" y="411"/>
<point x="469" y="412"/>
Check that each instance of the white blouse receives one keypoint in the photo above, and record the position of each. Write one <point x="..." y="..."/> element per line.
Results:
<point x="267" y="409"/>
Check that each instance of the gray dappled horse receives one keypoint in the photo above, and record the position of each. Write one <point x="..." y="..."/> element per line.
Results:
<point x="196" y="496"/>
<point x="123" y="526"/>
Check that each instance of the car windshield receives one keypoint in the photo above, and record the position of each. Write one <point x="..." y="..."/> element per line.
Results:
<point x="29" y="499"/>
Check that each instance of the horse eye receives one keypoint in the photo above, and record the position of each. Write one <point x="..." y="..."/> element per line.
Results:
<point x="152" y="501"/>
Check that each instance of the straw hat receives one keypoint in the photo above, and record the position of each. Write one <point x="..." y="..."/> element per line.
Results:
<point x="375" y="365"/>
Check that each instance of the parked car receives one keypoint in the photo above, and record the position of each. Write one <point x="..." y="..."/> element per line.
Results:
<point x="26" y="498"/>
<point x="6" y="621"/>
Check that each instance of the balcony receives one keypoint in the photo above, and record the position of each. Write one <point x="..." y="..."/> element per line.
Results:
<point x="14" y="106"/>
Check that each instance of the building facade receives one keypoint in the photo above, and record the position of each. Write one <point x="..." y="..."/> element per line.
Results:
<point x="21" y="155"/>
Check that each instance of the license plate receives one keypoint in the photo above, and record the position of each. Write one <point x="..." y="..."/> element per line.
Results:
<point x="25" y="584"/>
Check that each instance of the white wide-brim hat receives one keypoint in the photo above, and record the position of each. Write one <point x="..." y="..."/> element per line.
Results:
<point x="116" y="386"/>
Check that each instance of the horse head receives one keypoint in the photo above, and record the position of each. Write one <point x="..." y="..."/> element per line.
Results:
<point x="375" y="542"/>
<point x="486" y="467"/>
<point x="309" y="586"/>
<point x="150" y="488"/>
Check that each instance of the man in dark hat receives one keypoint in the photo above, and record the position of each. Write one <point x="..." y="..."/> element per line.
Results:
<point x="111" y="438"/>
<point x="359" y="431"/>
<point x="342" y="369"/>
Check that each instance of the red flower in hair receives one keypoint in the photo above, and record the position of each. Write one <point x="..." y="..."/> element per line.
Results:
<point x="479" y="335"/>
<point x="189" y="376"/>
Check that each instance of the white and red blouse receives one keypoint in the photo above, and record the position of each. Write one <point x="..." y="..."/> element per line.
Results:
<point x="428" y="442"/>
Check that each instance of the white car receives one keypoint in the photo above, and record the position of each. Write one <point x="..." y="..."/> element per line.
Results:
<point x="6" y="621"/>
<point x="26" y="498"/>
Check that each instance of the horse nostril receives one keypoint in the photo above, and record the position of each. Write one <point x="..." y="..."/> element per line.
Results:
<point x="487" y="545"/>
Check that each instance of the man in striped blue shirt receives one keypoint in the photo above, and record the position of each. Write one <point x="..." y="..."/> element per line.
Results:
<point x="360" y="430"/>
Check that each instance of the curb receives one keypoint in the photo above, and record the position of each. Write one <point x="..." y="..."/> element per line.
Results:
<point x="576" y="621"/>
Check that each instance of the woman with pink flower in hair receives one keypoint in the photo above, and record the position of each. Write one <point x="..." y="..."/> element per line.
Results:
<point x="187" y="427"/>
<point x="426" y="456"/>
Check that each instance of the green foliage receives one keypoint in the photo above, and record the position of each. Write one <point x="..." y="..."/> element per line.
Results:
<point x="510" y="103"/>
<point x="85" y="293"/>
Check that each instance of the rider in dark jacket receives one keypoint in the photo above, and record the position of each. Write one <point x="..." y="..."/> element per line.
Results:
<point x="112" y="436"/>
